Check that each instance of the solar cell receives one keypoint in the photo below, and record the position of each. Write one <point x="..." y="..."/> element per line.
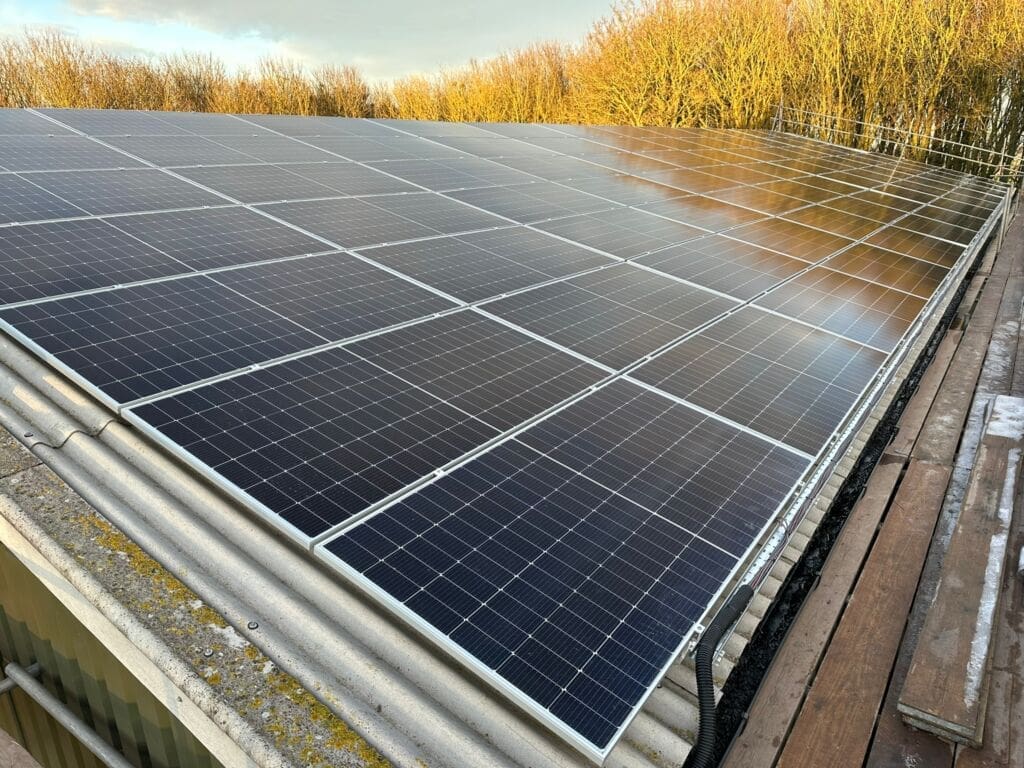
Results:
<point x="305" y="127"/>
<point x="257" y="183"/>
<point x="452" y="173"/>
<point x="137" y="341"/>
<point x="271" y="148"/>
<point x="394" y="147"/>
<point x="218" y="237"/>
<point x="573" y="560"/>
<point x="484" y="264"/>
<point x="127" y="191"/>
<point x="352" y="223"/>
<point x="616" y="315"/>
<point x="113" y="122"/>
<point x="784" y="379"/>
<point x="38" y="260"/>
<point x="865" y="312"/>
<point x="826" y="219"/>
<point x="350" y="179"/>
<point x="21" y="200"/>
<point x="319" y="438"/>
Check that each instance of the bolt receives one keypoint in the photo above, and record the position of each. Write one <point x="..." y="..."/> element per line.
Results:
<point x="29" y="434"/>
<point x="253" y="625"/>
<point x="208" y="652"/>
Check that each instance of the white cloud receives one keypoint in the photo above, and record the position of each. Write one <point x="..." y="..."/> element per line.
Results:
<point x="385" y="37"/>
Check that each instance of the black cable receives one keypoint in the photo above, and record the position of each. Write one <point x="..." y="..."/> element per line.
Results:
<point x="704" y="751"/>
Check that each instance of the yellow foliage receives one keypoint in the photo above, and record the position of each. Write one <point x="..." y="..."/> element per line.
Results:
<point x="948" y="71"/>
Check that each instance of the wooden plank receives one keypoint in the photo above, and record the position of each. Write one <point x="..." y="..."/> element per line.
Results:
<point x="945" y="691"/>
<point x="940" y="436"/>
<point x="838" y="717"/>
<point x="910" y="423"/>
<point x="785" y="683"/>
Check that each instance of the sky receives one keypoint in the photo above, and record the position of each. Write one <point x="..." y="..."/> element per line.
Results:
<point x="384" y="38"/>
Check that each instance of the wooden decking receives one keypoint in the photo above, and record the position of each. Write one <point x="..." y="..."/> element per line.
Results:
<point x="830" y="697"/>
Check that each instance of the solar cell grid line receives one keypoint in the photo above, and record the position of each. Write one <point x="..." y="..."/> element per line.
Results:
<point x="137" y="341"/>
<point x="862" y="311"/>
<point x="53" y="258"/>
<point x="758" y="199"/>
<point x="23" y="201"/>
<point x="789" y="238"/>
<point x="826" y="219"/>
<point x="932" y="227"/>
<point x="326" y="435"/>
<point x="614" y="316"/>
<point x="123" y="191"/>
<point x="781" y="378"/>
<point x="560" y="506"/>
<point x="917" y="245"/>
<point x="478" y="266"/>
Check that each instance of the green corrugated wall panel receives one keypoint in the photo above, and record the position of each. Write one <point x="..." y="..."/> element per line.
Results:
<point x="36" y="627"/>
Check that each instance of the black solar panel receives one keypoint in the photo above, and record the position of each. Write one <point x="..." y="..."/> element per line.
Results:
<point x="722" y="264"/>
<point x="865" y="312"/>
<point x="555" y="483"/>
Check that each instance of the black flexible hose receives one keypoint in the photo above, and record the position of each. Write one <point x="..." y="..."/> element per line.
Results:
<point x="704" y="751"/>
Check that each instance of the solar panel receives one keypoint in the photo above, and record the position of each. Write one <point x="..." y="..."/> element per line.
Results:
<point x="545" y="409"/>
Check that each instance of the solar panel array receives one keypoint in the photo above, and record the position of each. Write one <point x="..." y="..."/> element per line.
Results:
<point x="540" y="390"/>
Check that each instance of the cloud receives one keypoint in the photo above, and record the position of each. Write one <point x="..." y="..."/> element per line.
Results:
<point x="385" y="37"/>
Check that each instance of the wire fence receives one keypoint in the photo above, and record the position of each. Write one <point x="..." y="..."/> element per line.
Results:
<point x="1004" y="167"/>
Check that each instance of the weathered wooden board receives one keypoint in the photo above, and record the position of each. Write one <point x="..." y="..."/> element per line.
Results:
<point x="838" y="717"/>
<point x="945" y="691"/>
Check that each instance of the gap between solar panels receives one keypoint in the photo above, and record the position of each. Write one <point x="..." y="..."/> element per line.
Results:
<point x="554" y="482"/>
